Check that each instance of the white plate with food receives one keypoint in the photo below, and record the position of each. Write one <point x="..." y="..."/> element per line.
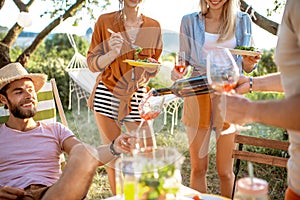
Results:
<point x="142" y="63"/>
<point x="244" y="52"/>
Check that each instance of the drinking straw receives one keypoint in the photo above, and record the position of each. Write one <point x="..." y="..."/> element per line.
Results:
<point x="250" y="171"/>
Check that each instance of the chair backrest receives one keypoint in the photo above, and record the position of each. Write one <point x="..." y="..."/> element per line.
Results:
<point x="241" y="153"/>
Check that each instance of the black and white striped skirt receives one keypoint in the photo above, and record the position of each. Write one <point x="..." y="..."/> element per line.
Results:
<point x="107" y="104"/>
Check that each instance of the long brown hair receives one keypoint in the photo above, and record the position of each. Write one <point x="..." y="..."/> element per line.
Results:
<point x="228" y="20"/>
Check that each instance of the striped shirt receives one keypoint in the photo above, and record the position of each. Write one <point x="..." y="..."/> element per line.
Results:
<point x="107" y="104"/>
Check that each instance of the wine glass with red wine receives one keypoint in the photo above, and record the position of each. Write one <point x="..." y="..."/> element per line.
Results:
<point x="151" y="106"/>
<point x="180" y="62"/>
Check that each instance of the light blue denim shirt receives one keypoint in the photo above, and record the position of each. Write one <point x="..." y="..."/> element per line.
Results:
<point x="192" y="38"/>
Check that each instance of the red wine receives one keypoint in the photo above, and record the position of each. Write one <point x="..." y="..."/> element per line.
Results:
<point x="150" y="115"/>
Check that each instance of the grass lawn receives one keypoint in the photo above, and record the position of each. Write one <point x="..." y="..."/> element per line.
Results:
<point x="87" y="132"/>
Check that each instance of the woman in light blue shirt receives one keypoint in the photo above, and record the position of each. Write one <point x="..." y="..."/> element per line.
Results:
<point x="220" y="23"/>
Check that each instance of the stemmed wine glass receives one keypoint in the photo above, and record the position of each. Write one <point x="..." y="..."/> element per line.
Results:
<point x="222" y="70"/>
<point x="222" y="76"/>
<point x="180" y="62"/>
<point x="149" y="108"/>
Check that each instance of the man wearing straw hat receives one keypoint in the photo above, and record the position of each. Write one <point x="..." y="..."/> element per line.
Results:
<point x="29" y="150"/>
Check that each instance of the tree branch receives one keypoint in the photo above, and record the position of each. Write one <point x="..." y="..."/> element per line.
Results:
<point x="261" y="21"/>
<point x="21" y="5"/>
<point x="23" y="58"/>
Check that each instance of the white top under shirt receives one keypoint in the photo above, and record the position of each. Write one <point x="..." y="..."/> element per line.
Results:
<point x="211" y="43"/>
<point x="31" y="157"/>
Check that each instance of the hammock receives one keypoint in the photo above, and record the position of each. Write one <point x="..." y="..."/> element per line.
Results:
<point x="82" y="79"/>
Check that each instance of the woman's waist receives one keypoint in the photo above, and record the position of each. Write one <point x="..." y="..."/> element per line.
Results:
<point x="198" y="71"/>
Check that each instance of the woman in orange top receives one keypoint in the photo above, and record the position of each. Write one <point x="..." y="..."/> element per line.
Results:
<point x="120" y="87"/>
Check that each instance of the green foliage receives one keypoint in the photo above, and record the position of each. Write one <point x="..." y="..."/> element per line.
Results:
<point x="15" y="52"/>
<point x="266" y="64"/>
<point x="60" y="44"/>
<point x="278" y="7"/>
<point x="52" y="57"/>
<point x="2" y="34"/>
<point x="265" y="95"/>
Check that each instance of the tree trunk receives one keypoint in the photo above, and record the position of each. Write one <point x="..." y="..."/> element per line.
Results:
<point x="23" y="58"/>
<point x="14" y="32"/>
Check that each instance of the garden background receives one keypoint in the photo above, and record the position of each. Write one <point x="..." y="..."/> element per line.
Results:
<point x="59" y="53"/>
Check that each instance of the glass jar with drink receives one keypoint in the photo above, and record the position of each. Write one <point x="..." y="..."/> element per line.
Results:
<point x="251" y="188"/>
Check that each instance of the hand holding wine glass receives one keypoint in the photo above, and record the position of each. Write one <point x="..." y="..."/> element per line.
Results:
<point x="222" y="76"/>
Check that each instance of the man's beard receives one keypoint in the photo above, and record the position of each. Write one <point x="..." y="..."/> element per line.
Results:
<point x="17" y="112"/>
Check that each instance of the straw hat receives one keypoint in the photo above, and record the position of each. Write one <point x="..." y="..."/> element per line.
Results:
<point x="15" y="71"/>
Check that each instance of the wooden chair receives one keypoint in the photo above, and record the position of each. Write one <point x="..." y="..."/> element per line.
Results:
<point x="241" y="154"/>
<point x="48" y="102"/>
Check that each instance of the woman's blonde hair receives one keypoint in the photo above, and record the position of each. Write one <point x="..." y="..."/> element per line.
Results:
<point x="228" y="20"/>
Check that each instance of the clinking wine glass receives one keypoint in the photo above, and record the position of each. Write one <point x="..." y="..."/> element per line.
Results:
<point x="222" y="76"/>
<point x="222" y="70"/>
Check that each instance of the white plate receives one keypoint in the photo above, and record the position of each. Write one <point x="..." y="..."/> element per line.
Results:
<point x="244" y="52"/>
<point x="141" y="64"/>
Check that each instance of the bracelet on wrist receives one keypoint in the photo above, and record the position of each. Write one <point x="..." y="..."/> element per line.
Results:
<point x="250" y="84"/>
<point x="112" y="149"/>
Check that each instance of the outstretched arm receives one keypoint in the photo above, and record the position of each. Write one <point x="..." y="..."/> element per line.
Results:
<point x="267" y="83"/>
<point x="280" y="113"/>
